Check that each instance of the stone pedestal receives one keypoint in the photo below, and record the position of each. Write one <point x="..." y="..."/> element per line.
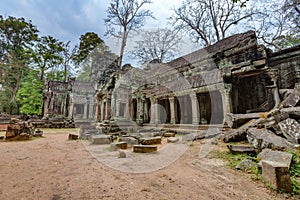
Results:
<point x="277" y="175"/>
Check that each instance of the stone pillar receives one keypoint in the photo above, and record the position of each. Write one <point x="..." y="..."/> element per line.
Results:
<point x="71" y="107"/>
<point x="154" y="111"/>
<point x="226" y="100"/>
<point x="97" y="111"/>
<point x="145" y="111"/>
<point x="273" y="74"/>
<point x="102" y="110"/>
<point x="117" y="108"/>
<point x="91" y="110"/>
<point x="140" y="111"/>
<point x="85" y="110"/>
<point x="172" y="110"/>
<point x="195" y="109"/>
<point x="108" y="108"/>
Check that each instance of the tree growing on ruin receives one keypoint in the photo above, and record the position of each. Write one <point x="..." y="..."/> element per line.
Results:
<point x="124" y="17"/>
<point x="157" y="44"/>
<point x="208" y="21"/>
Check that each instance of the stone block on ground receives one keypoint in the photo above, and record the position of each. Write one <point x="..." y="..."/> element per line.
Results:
<point x="122" y="154"/>
<point x="144" y="148"/>
<point x="118" y="145"/>
<point x="169" y="134"/>
<point x="241" y="149"/>
<point x="38" y="133"/>
<point x="129" y="140"/>
<point x="290" y="128"/>
<point x="73" y="137"/>
<point x="277" y="175"/>
<point x="291" y="100"/>
<point x="284" y="158"/>
<point x="172" y="140"/>
<point x="245" y="165"/>
<point x="262" y="138"/>
<point x="101" y="139"/>
<point x="151" y="140"/>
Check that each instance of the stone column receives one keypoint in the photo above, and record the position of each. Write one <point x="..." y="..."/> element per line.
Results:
<point x="108" y="108"/>
<point x="226" y="100"/>
<point x="195" y="109"/>
<point x="145" y="111"/>
<point x="85" y="110"/>
<point x="154" y="111"/>
<point x="71" y="107"/>
<point x="273" y="74"/>
<point x="140" y="111"/>
<point x="172" y="110"/>
<point x="117" y="108"/>
<point x="102" y="110"/>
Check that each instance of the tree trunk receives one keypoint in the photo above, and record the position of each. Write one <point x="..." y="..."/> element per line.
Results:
<point x="124" y="39"/>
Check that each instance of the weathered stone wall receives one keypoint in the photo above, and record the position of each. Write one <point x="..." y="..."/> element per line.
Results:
<point x="287" y="62"/>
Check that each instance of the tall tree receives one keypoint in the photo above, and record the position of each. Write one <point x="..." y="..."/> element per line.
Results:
<point x="158" y="44"/>
<point x="208" y="21"/>
<point x="88" y="42"/>
<point x="17" y="37"/>
<point x="68" y="55"/>
<point x="47" y="55"/>
<point x="123" y="17"/>
<point x="278" y="23"/>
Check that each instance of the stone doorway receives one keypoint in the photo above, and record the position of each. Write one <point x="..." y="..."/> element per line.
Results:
<point x="184" y="109"/>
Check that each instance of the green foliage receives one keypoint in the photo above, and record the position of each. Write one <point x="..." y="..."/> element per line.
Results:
<point x="16" y="39"/>
<point x="30" y="94"/>
<point x="295" y="173"/>
<point x="88" y="42"/>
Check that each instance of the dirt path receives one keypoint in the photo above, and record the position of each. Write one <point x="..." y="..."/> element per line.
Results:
<point x="55" y="168"/>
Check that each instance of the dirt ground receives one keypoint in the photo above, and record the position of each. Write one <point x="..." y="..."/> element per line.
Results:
<point x="56" y="168"/>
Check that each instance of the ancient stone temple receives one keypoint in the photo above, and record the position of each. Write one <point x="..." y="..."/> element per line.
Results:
<point x="56" y="98"/>
<point x="72" y="99"/>
<point x="235" y="75"/>
<point x="82" y="101"/>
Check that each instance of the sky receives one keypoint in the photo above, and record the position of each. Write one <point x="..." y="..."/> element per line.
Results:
<point x="69" y="19"/>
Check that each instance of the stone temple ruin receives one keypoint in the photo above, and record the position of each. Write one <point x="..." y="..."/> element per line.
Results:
<point x="235" y="75"/>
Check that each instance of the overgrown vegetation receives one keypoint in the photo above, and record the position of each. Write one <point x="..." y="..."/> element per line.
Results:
<point x="256" y="174"/>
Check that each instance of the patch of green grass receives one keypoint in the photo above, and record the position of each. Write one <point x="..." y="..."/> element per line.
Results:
<point x="233" y="159"/>
<point x="295" y="173"/>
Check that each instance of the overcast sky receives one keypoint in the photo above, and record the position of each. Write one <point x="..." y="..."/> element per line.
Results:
<point x="68" y="19"/>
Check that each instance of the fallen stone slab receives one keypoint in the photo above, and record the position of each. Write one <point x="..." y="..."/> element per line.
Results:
<point x="73" y="137"/>
<point x="118" y="145"/>
<point x="236" y="120"/>
<point x="193" y="136"/>
<point x="169" y="134"/>
<point x="277" y="175"/>
<point x="101" y="139"/>
<point x="284" y="158"/>
<point x="290" y="128"/>
<point x="245" y="165"/>
<point x="172" y="140"/>
<point x="239" y="134"/>
<point x="150" y="141"/>
<point x="241" y="149"/>
<point x="263" y="138"/>
<point x="291" y="100"/>
<point x="144" y="148"/>
<point x="129" y="140"/>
